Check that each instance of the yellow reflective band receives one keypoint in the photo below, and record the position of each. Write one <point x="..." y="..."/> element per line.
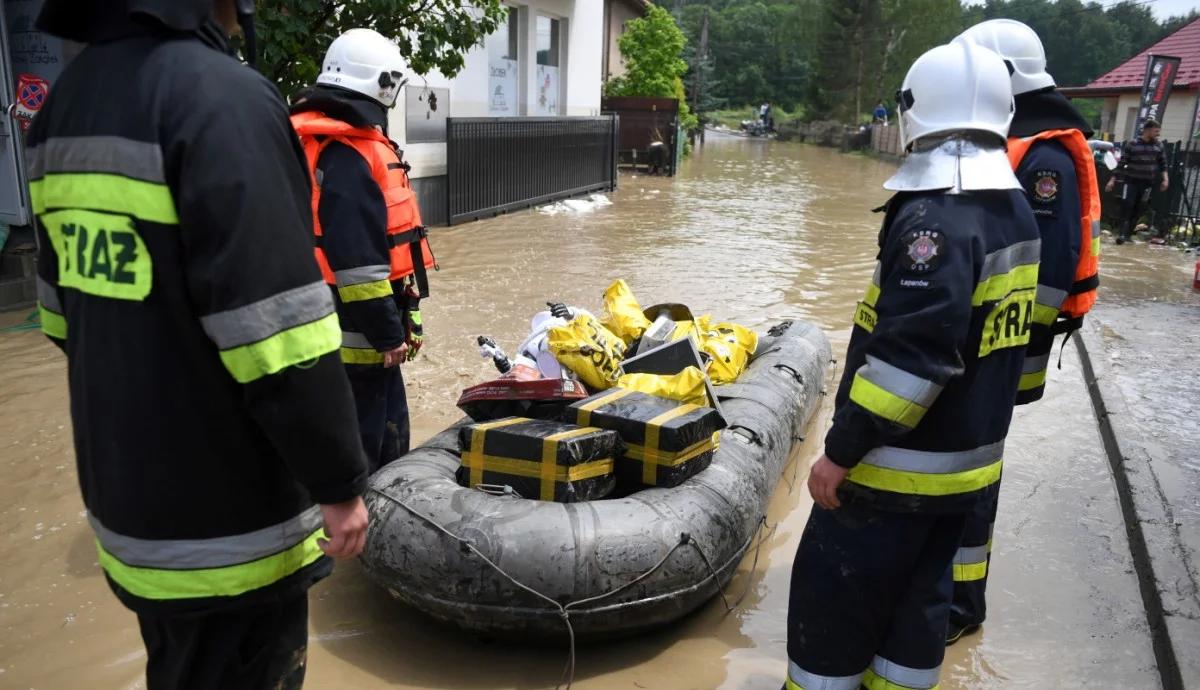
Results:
<point x="284" y="349"/>
<point x="653" y="427"/>
<point x="883" y="403"/>
<point x="146" y="201"/>
<point x="1096" y="247"/>
<point x="970" y="572"/>
<point x="361" y="355"/>
<point x="1007" y="324"/>
<point x="365" y="291"/>
<point x="1032" y="380"/>
<point x="583" y="413"/>
<point x="1044" y="315"/>
<point x="474" y="459"/>
<point x="789" y="684"/>
<point x="865" y="317"/>
<point x="415" y="318"/>
<point x="158" y="584"/>
<point x="872" y="295"/>
<point x="874" y="681"/>
<point x="923" y="484"/>
<point x="101" y="254"/>
<point x="999" y="286"/>
<point x="53" y="325"/>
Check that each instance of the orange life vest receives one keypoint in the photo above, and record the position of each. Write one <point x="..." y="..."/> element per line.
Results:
<point x="410" y="253"/>
<point x="1087" y="271"/>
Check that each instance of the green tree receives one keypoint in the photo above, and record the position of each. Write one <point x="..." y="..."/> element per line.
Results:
<point x="432" y="34"/>
<point x="652" y="47"/>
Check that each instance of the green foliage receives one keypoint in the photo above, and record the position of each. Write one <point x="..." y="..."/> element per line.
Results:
<point x="432" y="34"/>
<point x="837" y="58"/>
<point x="652" y="47"/>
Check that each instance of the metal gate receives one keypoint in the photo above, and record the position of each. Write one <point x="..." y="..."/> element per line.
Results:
<point x="499" y="164"/>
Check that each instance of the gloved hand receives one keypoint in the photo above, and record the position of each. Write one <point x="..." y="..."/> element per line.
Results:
<point x="560" y="310"/>
<point x="414" y="332"/>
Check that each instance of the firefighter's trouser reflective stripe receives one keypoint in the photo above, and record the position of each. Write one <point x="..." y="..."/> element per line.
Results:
<point x="870" y="599"/>
<point x="165" y="569"/>
<point x="929" y="473"/>
<point x="972" y="563"/>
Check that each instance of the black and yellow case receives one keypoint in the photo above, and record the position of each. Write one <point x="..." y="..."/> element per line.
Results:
<point x="666" y="441"/>
<point x="540" y="459"/>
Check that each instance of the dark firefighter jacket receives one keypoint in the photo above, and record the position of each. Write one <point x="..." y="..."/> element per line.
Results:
<point x="354" y="217"/>
<point x="935" y="354"/>
<point x="175" y="269"/>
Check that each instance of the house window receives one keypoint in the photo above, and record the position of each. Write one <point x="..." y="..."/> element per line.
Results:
<point x="504" y="67"/>
<point x="548" y="88"/>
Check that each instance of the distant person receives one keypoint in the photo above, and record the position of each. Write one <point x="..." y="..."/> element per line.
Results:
<point x="1143" y="163"/>
<point x="880" y="115"/>
<point x="211" y="413"/>
<point x="370" y="243"/>
<point x="764" y="115"/>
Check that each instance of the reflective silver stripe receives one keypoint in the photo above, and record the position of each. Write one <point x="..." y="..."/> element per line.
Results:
<point x="1050" y="297"/>
<point x="362" y="274"/>
<point x="899" y="382"/>
<point x="1095" y="229"/>
<point x="48" y="296"/>
<point x="351" y="339"/>
<point x="217" y="552"/>
<point x="927" y="462"/>
<point x="264" y="318"/>
<point x="878" y="275"/>
<point x="812" y="681"/>
<point x="968" y="555"/>
<point x="1035" y="364"/>
<point x="1004" y="260"/>
<point x="141" y="160"/>
<point x="917" y="678"/>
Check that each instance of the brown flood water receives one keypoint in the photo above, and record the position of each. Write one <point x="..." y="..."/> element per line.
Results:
<point x="752" y="231"/>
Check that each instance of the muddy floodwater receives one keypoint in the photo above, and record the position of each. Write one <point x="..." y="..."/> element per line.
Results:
<point x="751" y="231"/>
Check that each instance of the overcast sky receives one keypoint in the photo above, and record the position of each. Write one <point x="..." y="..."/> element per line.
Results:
<point x="1166" y="8"/>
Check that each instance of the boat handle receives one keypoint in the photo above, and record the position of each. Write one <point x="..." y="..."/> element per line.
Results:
<point x="750" y="435"/>
<point x="789" y="370"/>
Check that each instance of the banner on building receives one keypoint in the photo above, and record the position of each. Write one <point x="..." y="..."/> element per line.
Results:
<point x="1156" y="89"/>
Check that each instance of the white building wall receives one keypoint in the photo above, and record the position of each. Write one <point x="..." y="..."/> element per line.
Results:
<point x="580" y="68"/>
<point x="1176" y="120"/>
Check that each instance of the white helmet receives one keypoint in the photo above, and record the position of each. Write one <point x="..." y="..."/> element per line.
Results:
<point x="1020" y="47"/>
<point x="363" y="61"/>
<point x="955" y="87"/>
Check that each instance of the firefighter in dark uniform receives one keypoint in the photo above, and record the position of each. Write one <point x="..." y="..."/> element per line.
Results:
<point x="214" y="432"/>
<point x="371" y="246"/>
<point x="1048" y="147"/>
<point x="924" y="405"/>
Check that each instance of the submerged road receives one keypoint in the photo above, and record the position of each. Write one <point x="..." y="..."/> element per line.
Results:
<point x="753" y="231"/>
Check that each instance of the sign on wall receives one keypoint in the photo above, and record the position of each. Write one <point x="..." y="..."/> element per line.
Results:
<point x="1156" y="89"/>
<point x="37" y="59"/>
<point x="547" y="90"/>
<point x="503" y="100"/>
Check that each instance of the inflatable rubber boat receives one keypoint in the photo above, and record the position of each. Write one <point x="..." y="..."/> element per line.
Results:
<point x="499" y="564"/>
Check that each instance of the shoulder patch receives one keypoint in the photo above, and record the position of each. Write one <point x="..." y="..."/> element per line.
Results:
<point x="1045" y="186"/>
<point x="923" y="250"/>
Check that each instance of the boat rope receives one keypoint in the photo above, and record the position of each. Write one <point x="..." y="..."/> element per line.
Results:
<point x="564" y="610"/>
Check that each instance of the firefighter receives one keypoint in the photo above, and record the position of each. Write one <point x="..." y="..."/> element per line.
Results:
<point x="923" y="409"/>
<point x="370" y="244"/>
<point x="214" y="432"/>
<point x="1048" y="148"/>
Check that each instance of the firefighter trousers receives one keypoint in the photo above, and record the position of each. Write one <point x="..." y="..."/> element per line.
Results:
<point x="251" y="647"/>
<point x="870" y="599"/>
<point x="971" y="565"/>
<point x="382" y="407"/>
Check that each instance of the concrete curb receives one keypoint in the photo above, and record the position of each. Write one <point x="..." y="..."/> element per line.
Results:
<point x="1158" y="553"/>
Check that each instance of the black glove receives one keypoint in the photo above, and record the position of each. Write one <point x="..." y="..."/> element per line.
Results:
<point x="560" y="310"/>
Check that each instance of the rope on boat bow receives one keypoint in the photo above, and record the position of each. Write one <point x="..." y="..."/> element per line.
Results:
<point x="564" y="611"/>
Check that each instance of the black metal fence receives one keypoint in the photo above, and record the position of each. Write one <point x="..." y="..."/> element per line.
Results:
<point x="1180" y="205"/>
<point x="500" y="164"/>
